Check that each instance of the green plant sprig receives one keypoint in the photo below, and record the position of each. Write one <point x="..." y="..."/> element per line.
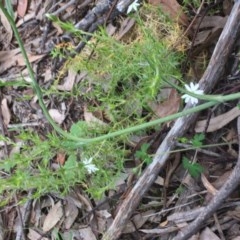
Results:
<point x="76" y="141"/>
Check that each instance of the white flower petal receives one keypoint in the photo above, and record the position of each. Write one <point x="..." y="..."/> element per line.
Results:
<point x="87" y="161"/>
<point x="133" y="7"/>
<point x="187" y="87"/>
<point x="91" y="168"/>
<point x="200" y="92"/>
<point x="193" y="88"/>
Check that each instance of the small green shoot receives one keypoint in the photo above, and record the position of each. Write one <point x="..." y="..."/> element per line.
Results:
<point x="194" y="169"/>
<point x="143" y="155"/>
<point x="197" y="140"/>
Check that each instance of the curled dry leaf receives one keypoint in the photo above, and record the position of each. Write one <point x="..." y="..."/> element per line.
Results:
<point x="90" y="118"/>
<point x="53" y="217"/>
<point x="218" y="122"/>
<point x="5" y="112"/>
<point x="57" y="116"/>
<point x="167" y="107"/>
<point x="69" y="82"/>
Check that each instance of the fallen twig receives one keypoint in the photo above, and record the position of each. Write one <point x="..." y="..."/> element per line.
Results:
<point x="211" y="76"/>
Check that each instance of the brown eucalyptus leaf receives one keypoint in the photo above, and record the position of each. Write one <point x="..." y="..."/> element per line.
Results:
<point x="22" y="7"/>
<point x="5" y="112"/>
<point x="168" y="106"/>
<point x="53" y="217"/>
<point x="218" y="122"/>
<point x="69" y="81"/>
<point x="12" y="58"/>
<point x="71" y="213"/>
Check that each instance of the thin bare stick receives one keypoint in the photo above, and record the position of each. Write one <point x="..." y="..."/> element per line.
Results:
<point x="212" y="74"/>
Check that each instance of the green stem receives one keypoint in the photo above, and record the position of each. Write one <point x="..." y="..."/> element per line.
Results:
<point x="33" y="80"/>
<point x="206" y="97"/>
<point x="80" y="141"/>
<point x="148" y="124"/>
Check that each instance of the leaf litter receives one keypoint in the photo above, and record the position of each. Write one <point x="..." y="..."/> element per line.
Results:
<point x="61" y="214"/>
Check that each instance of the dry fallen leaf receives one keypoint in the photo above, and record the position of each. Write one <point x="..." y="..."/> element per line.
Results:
<point x="104" y="220"/>
<point x="26" y="18"/>
<point x="12" y="58"/>
<point x="207" y="233"/>
<point x="53" y="217"/>
<point x="218" y="122"/>
<point x="137" y="221"/>
<point x="90" y="118"/>
<point x="167" y="107"/>
<point x="22" y="7"/>
<point x="71" y="213"/>
<point x="33" y="235"/>
<point x="209" y="29"/>
<point x="5" y="112"/>
<point x="57" y="116"/>
<point x="173" y="8"/>
<point x="210" y="188"/>
<point x="69" y="82"/>
<point x="61" y="158"/>
<point x="87" y="234"/>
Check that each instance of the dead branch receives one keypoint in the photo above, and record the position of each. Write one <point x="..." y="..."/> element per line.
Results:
<point x="211" y="76"/>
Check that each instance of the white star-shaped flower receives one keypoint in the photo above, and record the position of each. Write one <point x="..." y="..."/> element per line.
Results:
<point x="133" y="6"/>
<point x="91" y="168"/>
<point x="193" y="88"/>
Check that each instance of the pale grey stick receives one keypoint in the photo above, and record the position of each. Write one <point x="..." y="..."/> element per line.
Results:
<point x="211" y="76"/>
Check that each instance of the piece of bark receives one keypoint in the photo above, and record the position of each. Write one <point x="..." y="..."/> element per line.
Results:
<point x="211" y="76"/>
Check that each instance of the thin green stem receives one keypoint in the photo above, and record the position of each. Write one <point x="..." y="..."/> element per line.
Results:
<point x="80" y="141"/>
<point x="33" y="80"/>
<point x="206" y="97"/>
